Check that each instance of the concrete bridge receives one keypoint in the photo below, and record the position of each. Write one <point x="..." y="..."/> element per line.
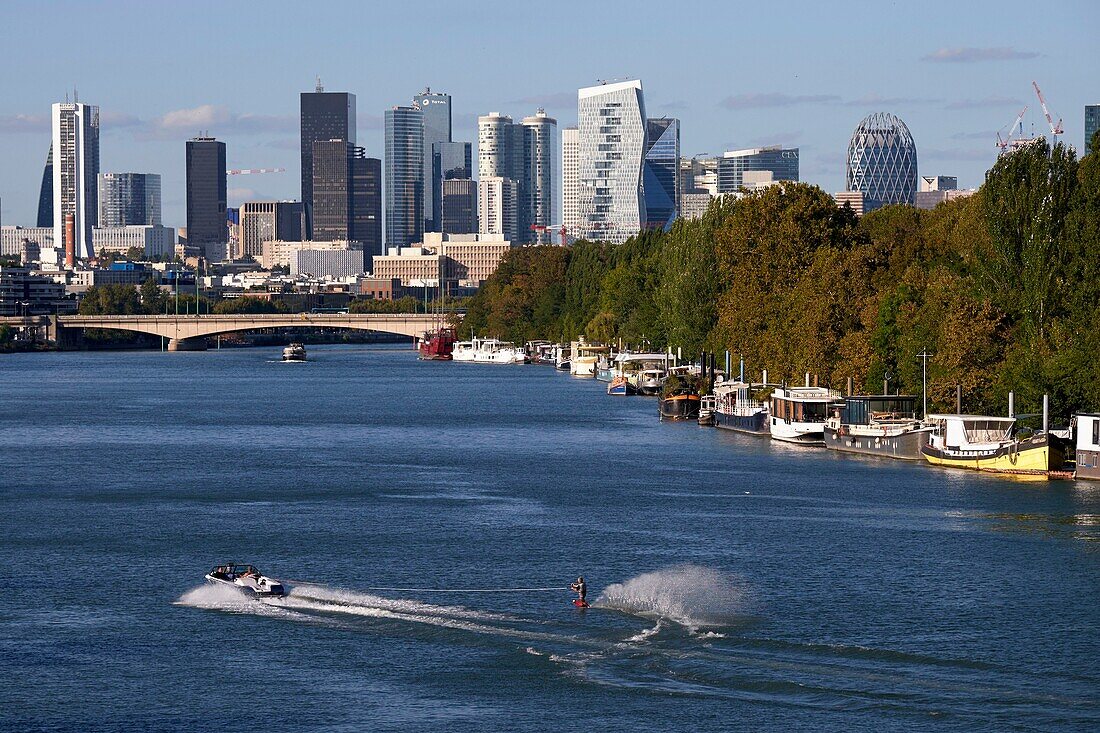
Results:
<point x="186" y="333"/>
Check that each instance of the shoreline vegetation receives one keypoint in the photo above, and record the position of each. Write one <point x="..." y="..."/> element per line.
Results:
<point x="1001" y="287"/>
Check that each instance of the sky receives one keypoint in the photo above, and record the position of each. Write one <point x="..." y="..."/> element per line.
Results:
<point x="737" y="75"/>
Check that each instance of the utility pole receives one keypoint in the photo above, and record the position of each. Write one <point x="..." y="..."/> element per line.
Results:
<point x="924" y="356"/>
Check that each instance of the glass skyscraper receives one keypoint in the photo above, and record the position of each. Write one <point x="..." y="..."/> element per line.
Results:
<point x="129" y="199"/>
<point x="882" y="162"/>
<point x="436" y="110"/>
<point x="611" y="148"/>
<point x="782" y="162"/>
<point x="661" y="176"/>
<point x="324" y="116"/>
<point x="45" y="193"/>
<point x="450" y="161"/>
<point x="207" y="226"/>
<point x="540" y="133"/>
<point x="1092" y="124"/>
<point x="404" y="176"/>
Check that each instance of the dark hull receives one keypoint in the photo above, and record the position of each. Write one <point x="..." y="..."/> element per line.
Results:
<point x="679" y="407"/>
<point x="906" y="446"/>
<point x="756" y="424"/>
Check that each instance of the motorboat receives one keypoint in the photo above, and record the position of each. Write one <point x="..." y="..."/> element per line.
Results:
<point x="646" y="372"/>
<point x="247" y="579"/>
<point x="621" y="386"/>
<point x="464" y="350"/>
<point x="294" y="352"/>
<point x="495" y="351"/>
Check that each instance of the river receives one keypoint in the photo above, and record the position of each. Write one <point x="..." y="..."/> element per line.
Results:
<point x="737" y="583"/>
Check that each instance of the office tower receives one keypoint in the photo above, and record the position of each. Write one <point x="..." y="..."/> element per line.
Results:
<point x="450" y="161"/>
<point x="1092" y="125"/>
<point x="661" y="174"/>
<point x="75" y="168"/>
<point x="882" y="162"/>
<point x="404" y="176"/>
<point x="612" y="142"/>
<point x="365" y="224"/>
<point x="331" y="190"/>
<point x="497" y="199"/>
<point x="436" y="110"/>
<point x="459" y="206"/>
<point x="266" y="221"/>
<point x="325" y="116"/>
<point x="540" y="137"/>
<point x="570" y="213"/>
<point x="207" y="227"/>
<point x="782" y="162"/>
<point x="129" y="199"/>
<point x="45" y="193"/>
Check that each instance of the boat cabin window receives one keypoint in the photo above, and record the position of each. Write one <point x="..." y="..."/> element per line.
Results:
<point x="987" y="431"/>
<point x="1096" y="431"/>
<point x="801" y="411"/>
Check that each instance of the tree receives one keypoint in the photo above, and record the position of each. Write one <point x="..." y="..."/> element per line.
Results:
<point x="152" y="297"/>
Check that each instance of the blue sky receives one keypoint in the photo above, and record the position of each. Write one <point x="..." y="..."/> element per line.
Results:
<point x="736" y="74"/>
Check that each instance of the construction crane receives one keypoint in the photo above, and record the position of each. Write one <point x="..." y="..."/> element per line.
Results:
<point x="1055" y="129"/>
<point x="253" y="171"/>
<point x="1004" y="143"/>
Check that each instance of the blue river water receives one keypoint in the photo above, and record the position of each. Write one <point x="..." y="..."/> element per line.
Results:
<point x="738" y="584"/>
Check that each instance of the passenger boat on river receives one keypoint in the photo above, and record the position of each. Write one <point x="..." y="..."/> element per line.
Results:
<point x="879" y="425"/>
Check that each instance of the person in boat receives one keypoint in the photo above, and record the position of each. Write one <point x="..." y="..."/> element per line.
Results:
<point x="580" y="588"/>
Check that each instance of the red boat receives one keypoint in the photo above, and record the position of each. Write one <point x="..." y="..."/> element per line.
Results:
<point x="438" y="345"/>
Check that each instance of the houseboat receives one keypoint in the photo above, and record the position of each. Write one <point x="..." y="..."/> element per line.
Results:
<point x="879" y="425"/>
<point x="739" y="406"/>
<point x="561" y="357"/>
<point x="583" y="357"/>
<point x="1087" y="442"/>
<point x="495" y="351"/>
<point x="985" y="443"/>
<point x="679" y="399"/>
<point x="798" y="414"/>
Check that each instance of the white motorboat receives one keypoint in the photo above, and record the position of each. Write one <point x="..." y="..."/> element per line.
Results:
<point x="464" y="350"/>
<point x="246" y="578"/>
<point x="294" y="352"/>
<point x="495" y="351"/>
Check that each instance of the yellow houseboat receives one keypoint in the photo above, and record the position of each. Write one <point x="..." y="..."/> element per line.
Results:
<point x="986" y="443"/>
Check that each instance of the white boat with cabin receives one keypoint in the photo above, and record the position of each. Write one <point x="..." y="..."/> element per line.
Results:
<point x="798" y="414"/>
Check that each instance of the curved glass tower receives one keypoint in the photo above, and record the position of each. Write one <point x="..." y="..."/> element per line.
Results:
<point x="882" y="161"/>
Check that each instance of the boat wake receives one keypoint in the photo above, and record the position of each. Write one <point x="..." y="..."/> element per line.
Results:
<point x="690" y="595"/>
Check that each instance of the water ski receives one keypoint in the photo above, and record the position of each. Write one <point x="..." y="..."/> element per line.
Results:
<point x="579" y="603"/>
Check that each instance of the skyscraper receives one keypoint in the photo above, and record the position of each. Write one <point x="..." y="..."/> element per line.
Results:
<point x="129" y="199"/>
<point x="612" y="143"/>
<point x="331" y="190"/>
<point x="207" y="227"/>
<point x="75" y="169"/>
<point x="325" y="116"/>
<point x="365" y="224"/>
<point x="404" y="176"/>
<point x="782" y="162"/>
<point x="540" y="142"/>
<point x="436" y="110"/>
<point x="1092" y="125"/>
<point x="661" y="176"/>
<point x="450" y="161"/>
<point x="570" y="213"/>
<point x="45" y="193"/>
<point x="459" y="206"/>
<point x="496" y="206"/>
<point x="882" y="162"/>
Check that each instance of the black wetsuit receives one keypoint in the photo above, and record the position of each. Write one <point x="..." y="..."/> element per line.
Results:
<point x="581" y="589"/>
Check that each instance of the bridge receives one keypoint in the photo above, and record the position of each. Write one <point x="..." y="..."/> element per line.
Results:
<point x="187" y="333"/>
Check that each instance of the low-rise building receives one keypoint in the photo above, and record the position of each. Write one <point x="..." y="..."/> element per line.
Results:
<point x="379" y="288"/>
<point x="12" y="238"/>
<point x="153" y="240"/>
<point x="24" y="292"/>
<point x="931" y="199"/>
<point x="413" y="266"/>
<point x="694" y="205"/>
<point x="855" y="199"/>
<point x="471" y="258"/>
<point x="327" y="263"/>
<point x="278" y="252"/>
